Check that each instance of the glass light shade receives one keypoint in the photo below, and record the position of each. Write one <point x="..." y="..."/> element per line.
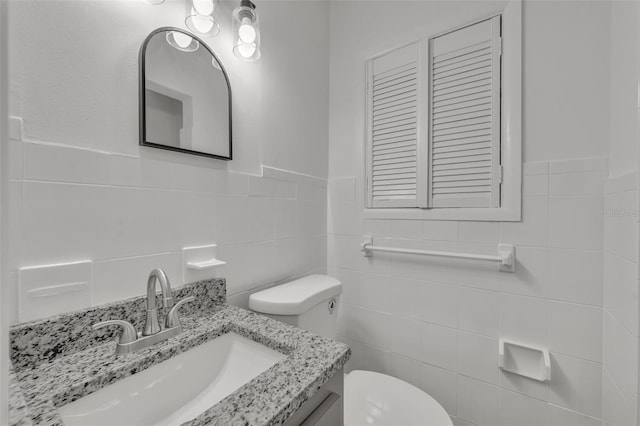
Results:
<point x="246" y="32"/>
<point x="182" y="41"/>
<point x="201" y="17"/>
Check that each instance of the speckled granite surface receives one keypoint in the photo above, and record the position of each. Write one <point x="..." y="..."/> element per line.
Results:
<point x="18" y="412"/>
<point x="64" y="359"/>
<point x="41" y="341"/>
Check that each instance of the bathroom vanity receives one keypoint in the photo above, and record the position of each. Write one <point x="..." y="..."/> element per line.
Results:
<point x="58" y="361"/>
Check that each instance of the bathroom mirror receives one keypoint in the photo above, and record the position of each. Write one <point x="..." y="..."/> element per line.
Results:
<point x="185" y="95"/>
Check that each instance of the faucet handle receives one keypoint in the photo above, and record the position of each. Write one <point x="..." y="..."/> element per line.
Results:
<point x="173" y="320"/>
<point x="129" y="333"/>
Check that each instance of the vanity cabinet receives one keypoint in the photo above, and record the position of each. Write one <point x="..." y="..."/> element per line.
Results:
<point x="325" y="407"/>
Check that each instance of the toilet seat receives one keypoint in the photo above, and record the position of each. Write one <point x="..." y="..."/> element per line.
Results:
<point x="372" y="398"/>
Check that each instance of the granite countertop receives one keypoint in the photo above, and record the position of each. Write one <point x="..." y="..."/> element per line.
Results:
<point x="59" y="360"/>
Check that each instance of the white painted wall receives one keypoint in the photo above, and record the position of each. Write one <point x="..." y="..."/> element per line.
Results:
<point x="621" y="312"/>
<point x="435" y="322"/>
<point x="82" y="188"/>
<point x="4" y="161"/>
<point x="625" y="97"/>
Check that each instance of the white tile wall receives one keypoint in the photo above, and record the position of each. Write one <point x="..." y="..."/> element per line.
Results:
<point x="442" y="385"/>
<point x="621" y="327"/>
<point x="557" y="416"/>
<point x="130" y="215"/>
<point x="576" y="384"/>
<point x="571" y="329"/>
<point x="48" y="289"/>
<point x="518" y="409"/>
<point x="553" y="300"/>
<point x="477" y="402"/>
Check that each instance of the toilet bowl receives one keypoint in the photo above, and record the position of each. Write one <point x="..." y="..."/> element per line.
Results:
<point x="370" y="398"/>
<point x="378" y="399"/>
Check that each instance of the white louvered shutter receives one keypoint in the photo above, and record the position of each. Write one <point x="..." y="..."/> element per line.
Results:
<point x="395" y="144"/>
<point x="464" y="151"/>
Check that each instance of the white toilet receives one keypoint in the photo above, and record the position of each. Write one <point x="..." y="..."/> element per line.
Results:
<point x="370" y="398"/>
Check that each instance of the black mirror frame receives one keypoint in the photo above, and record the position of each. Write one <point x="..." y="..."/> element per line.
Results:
<point x="142" y="96"/>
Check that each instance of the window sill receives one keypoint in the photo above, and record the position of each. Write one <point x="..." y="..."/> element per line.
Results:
<point x="483" y="215"/>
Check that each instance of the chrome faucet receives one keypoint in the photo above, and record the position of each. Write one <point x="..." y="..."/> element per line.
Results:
<point x="151" y="325"/>
<point x="130" y="340"/>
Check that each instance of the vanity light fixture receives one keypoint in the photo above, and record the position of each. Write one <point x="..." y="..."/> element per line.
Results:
<point x="201" y="17"/>
<point x="182" y="41"/>
<point x="246" y="32"/>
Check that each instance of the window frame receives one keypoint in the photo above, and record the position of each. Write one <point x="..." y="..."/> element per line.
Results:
<point x="511" y="137"/>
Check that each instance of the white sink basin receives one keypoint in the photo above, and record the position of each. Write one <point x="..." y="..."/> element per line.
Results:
<point x="176" y="390"/>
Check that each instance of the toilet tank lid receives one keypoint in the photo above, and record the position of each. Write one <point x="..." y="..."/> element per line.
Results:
<point x="295" y="297"/>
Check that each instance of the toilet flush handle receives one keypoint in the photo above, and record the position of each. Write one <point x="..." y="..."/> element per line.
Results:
<point x="332" y="304"/>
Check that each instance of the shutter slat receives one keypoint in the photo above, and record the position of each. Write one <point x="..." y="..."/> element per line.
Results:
<point x="394" y="86"/>
<point x="407" y="168"/>
<point x="402" y="160"/>
<point x="443" y="66"/>
<point x="395" y="100"/>
<point x="463" y="77"/>
<point x="466" y="153"/>
<point x="395" y="115"/>
<point x="390" y="186"/>
<point x="471" y="183"/>
<point x="477" y="80"/>
<point x="468" y="134"/>
<point x="395" y="193"/>
<point x="460" y="141"/>
<point x="467" y="114"/>
<point x="463" y="177"/>
<point x="398" y="167"/>
<point x="459" y="160"/>
<point x="462" y="53"/>
<point x="388" y="143"/>
<point x="405" y="108"/>
<point x="407" y="129"/>
<point x="460" y="172"/>
<point x="455" y="90"/>
<point x="394" y="95"/>
<point x="382" y="107"/>
<point x="393" y="148"/>
<point x="464" y="66"/>
<point x="401" y="154"/>
<point x="394" y="73"/>
<point x="462" y="95"/>
<point x="461" y="126"/>
<point x="396" y="177"/>
<point x="460" y="104"/>
<point x="461" y="108"/>
<point x="465" y="147"/>
<point x="466" y="190"/>
<point x="395" y="123"/>
<point x="447" y="167"/>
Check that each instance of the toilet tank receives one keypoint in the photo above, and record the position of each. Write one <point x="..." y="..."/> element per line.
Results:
<point x="310" y="303"/>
